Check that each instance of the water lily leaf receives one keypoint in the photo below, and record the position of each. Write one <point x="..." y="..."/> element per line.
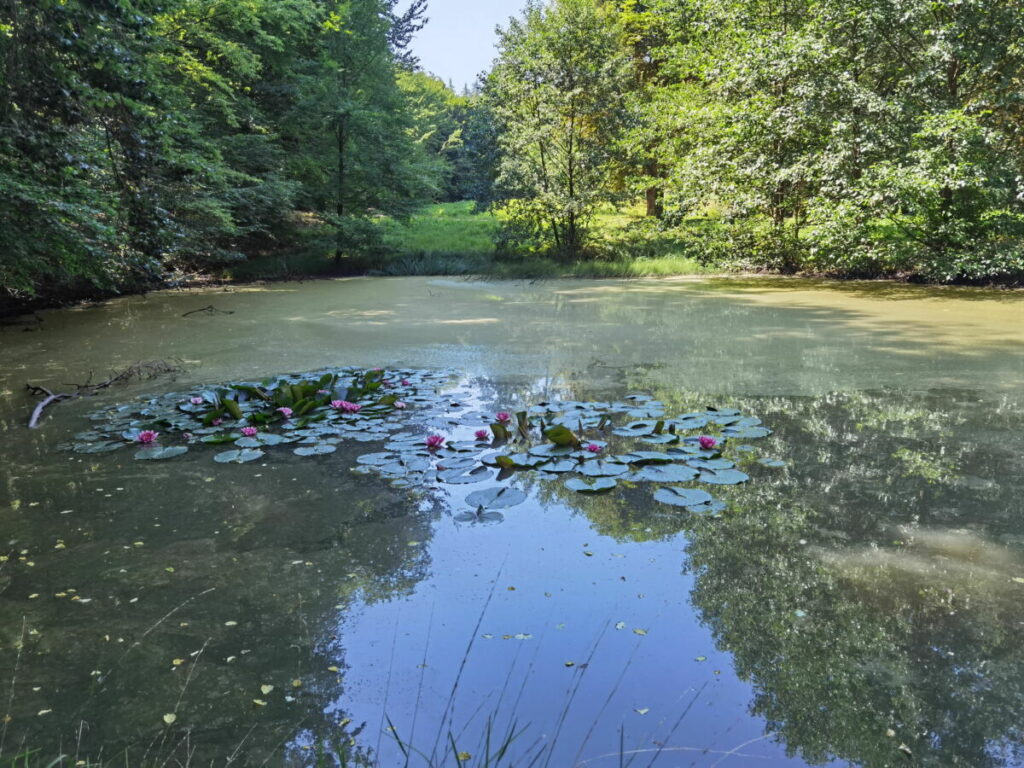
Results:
<point x="376" y="458"/>
<point x="499" y="497"/>
<point x="682" y="497"/>
<point x="219" y="439"/>
<point x="747" y="433"/>
<point x="648" y="457"/>
<point x="665" y="473"/>
<point x="550" y="450"/>
<point x="156" y="453"/>
<point x="596" y="486"/>
<point x="601" y="468"/>
<point x="712" y="508"/>
<point x="464" y="477"/>
<point x="248" y="442"/>
<point x="766" y="462"/>
<point x="315" y="450"/>
<point x="238" y="457"/>
<point x="97" y="447"/>
<point x="561" y="435"/>
<point x="635" y="429"/>
<point x="724" y="477"/>
<point x="561" y="465"/>
<point x="715" y="464"/>
<point x="665" y="439"/>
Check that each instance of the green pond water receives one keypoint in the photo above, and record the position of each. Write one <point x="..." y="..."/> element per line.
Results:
<point x="861" y="605"/>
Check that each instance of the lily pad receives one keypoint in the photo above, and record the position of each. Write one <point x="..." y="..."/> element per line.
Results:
<point x="747" y="433"/>
<point x="499" y="497"/>
<point x="724" y="477"/>
<point x="156" y="453"/>
<point x="601" y="468"/>
<point x="238" y="457"/>
<point x="463" y="476"/>
<point x="315" y="450"/>
<point x="596" y="486"/>
<point x="766" y="462"/>
<point x="665" y="473"/>
<point x="682" y="497"/>
<point x="648" y="457"/>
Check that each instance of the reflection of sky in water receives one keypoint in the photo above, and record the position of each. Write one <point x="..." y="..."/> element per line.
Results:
<point x="870" y="585"/>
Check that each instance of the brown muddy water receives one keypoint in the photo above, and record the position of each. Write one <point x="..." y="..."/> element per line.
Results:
<point x="861" y="605"/>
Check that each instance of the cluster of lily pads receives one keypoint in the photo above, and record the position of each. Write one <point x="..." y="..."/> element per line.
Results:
<point x="585" y="443"/>
<point x="311" y="412"/>
<point x="593" y="446"/>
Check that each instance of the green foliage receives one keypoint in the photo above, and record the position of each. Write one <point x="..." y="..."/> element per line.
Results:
<point x="556" y="94"/>
<point x="138" y="139"/>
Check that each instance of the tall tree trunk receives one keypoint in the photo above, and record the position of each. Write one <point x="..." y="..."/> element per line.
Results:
<point x="339" y="208"/>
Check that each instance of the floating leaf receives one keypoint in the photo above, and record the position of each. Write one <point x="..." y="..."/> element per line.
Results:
<point x="170" y="717"/>
<point x="561" y="435"/>
<point x="266" y="689"/>
<point x="238" y="457"/>
<point x="499" y="497"/>
<point x="665" y="473"/>
<point x="463" y="477"/>
<point x="601" y="468"/>
<point x="315" y="450"/>
<point x="681" y="497"/>
<point x="596" y="486"/>
<point x="766" y="462"/>
<point x="724" y="477"/>
<point x="156" y="454"/>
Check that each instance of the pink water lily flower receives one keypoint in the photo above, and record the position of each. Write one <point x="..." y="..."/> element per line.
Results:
<point x="434" y="441"/>
<point x="285" y="411"/>
<point x="196" y="400"/>
<point x="503" y="417"/>
<point x="146" y="436"/>
<point x="345" y="405"/>
<point x="594" y="448"/>
<point x="216" y="422"/>
<point x="707" y="442"/>
<point x="399" y="404"/>
<point x="481" y="434"/>
<point x="250" y="431"/>
<point x="405" y="382"/>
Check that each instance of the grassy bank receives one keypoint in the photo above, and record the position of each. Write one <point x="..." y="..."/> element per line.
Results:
<point x="454" y="239"/>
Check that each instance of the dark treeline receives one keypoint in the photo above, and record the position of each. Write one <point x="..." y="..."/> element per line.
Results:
<point x="143" y="141"/>
<point x="140" y="139"/>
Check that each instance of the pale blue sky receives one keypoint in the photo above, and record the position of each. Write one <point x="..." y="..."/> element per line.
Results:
<point x="458" y="43"/>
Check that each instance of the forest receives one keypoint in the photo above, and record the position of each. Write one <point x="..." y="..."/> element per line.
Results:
<point x="147" y="144"/>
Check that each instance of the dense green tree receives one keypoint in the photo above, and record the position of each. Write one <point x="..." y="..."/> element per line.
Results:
<point x="556" y="92"/>
<point x="138" y="138"/>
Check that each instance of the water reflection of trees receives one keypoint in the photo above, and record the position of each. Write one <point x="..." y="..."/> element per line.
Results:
<point x="868" y="590"/>
<point x="235" y="583"/>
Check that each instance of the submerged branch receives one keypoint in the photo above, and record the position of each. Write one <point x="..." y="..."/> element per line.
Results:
<point x="141" y="371"/>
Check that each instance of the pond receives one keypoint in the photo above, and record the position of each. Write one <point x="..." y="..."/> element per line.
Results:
<point x="860" y="599"/>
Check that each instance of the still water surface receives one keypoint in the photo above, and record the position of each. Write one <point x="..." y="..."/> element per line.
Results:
<point x="861" y="605"/>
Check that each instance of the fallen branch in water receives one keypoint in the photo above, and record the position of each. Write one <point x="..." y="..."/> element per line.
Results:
<point x="50" y="398"/>
<point x="140" y="371"/>
<point x="210" y="309"/>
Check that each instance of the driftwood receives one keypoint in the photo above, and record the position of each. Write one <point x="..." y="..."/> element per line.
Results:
<point x="140" y="371"/>
<point x="210" y="310"/>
